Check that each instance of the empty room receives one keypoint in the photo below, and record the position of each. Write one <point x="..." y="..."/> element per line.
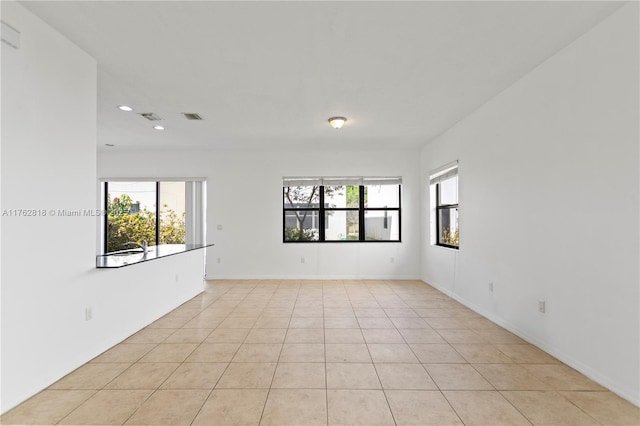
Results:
<point x="320" y="213"/>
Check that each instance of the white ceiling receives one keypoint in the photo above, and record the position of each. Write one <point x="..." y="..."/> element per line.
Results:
<point x="268" y="75"/>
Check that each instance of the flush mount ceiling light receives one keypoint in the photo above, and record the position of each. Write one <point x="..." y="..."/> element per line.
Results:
<point x="158" y="127"/>
<point x="337" y="122"/>
<point x="125" y="108"/>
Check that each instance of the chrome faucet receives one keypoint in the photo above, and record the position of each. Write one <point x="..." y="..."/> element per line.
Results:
<point x="144" y="246"/>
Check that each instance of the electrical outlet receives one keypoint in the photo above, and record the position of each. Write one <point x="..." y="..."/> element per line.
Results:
<point x="391" y="259"/>
<point x="302" y="260"/>
<point x="491" y="287"/>
<point x="219" y="227"/>
<point x="177" y="278"/>
<point x="88" y="313"/>
<point x="542" y="306"/>
<point x="219" y="260"/>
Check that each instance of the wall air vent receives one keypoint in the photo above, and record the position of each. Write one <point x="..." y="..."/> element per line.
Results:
<point x="150" y="116"/>
<point x="191" y="116"/>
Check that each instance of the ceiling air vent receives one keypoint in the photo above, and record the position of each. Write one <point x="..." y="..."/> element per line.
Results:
<point x="150" y="116"/>
<point x="191" y="116"/>
<point x="10" y="35"/>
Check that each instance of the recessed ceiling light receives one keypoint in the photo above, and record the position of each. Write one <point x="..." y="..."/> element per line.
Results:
<point x="337" y="122"/>
<point x="125" y="108"/>
<point x="158" y="127"/>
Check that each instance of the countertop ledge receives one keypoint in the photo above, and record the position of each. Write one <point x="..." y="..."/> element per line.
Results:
<point x="127" y="258"/>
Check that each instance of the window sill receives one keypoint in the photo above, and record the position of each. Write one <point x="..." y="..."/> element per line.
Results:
<point x="456" y="249"/>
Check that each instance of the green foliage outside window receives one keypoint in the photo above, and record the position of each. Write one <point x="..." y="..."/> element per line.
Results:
<point x="353" y="196"/>
<point x="301" y="197"/>
<point x="126" y="225"/>
<point x="451" y="238"/>
<point x="297" y="234"/>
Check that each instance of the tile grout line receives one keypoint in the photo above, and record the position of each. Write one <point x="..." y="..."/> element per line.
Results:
<point x="156" y="389"/>
<point x="223" y="371"/>
<point x="266" y="400"/>
<point x="75" y="408"/>
<point x="516" y="408"/>
<point x="438" y="386"/>
<point x="324" y="348"/>
<point x="134" y="363"/>
<point x="393" y="417"/>
<point x="237" y="297"/>
<point x="434" y="382"/>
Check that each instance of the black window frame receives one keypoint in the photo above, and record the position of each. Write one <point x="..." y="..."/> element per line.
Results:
<point x="439" y="209"/>
<point x="106" y="219"/>
<point x="361" y="209"/>
<point x="158" y="209"/>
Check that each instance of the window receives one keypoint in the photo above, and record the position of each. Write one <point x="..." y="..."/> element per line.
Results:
<point x="444" y="190"/>
<point x="341" y="209"/>
<point x="167" y="212"/>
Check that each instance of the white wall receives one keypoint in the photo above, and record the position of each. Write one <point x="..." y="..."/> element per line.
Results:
<point x="48" y="263"/>
<point x="245" y="197"/>
<point x="549" y="206"/>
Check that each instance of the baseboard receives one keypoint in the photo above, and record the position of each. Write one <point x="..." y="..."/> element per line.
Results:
<point x="594" y="375"/>
<point x="312" y="277"/>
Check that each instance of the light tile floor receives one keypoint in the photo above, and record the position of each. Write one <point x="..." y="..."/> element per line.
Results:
<point x="325" y="353"/>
